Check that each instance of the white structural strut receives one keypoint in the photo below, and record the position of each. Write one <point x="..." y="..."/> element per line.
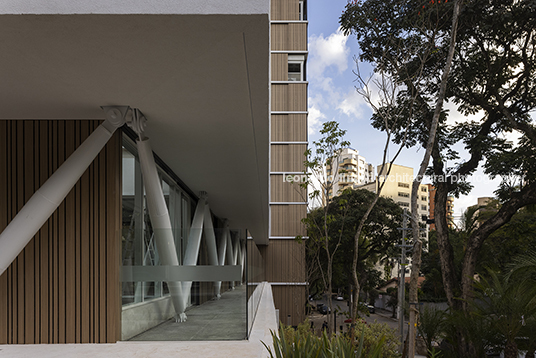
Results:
<point x="49" y="196"/>
<point x="230" y="256"/>
<point x="243" y="257"/>
<point x="158" y="212"/>
<point x="194" y="241"/>
<point x="211" y="245"/>
<point x="222" y="249"/>
<point x="202" y="218"/>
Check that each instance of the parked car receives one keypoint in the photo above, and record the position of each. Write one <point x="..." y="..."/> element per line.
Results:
<point x="322" y="308"/>
<point x="370" y="308"/>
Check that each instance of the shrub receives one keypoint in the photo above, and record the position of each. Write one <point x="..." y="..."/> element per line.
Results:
<point x="371" y="333"/>
<point x="369" y="341"/>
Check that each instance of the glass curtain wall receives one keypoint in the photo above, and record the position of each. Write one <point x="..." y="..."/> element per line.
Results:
<point x="148" y="311"/>
<point x="138" y="244"/>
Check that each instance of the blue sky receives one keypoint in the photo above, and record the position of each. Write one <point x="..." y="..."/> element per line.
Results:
<point x="332" y="96"/>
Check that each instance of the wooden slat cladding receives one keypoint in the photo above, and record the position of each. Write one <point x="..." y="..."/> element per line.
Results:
<point x="285" y="261"/>
<point x="289" y="37"/>
<point x="289" y="128"/>
<point x="289" y="97"/>
<point x="290" y="300"/>
<point x="279" y="67"/>
<point x="285" y="191"/>
<point x="286" y="220"/>
<point x="284" y="10"/>
<point x="288" y="157"/>
<point x="64" y="286"/>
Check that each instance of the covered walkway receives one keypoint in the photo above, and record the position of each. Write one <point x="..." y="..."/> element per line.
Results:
<point x="223" y="319"/>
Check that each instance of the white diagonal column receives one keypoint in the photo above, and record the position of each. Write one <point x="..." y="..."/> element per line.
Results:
<point x="202" y="219"/>
<point x="222" y="249"/>
<point x="211" y="243"/>
<point x="49" y="196"/>
<point x="158" y="212"/>
<point x="194" y="242"/>
<point x="242" y="259"/>
<point x="230" y="255"/>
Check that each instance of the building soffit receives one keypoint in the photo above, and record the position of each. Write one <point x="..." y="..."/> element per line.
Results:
<point x="202" y="81"/>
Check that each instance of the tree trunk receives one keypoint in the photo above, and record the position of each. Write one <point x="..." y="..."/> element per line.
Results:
<point x="446" y="254"/>
<point x="510" y="350"/>
<point x="430" y="145"/>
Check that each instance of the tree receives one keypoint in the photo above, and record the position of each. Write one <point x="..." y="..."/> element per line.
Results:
<point x="422" y="32"/>
<point x="379" y="236"/>
<point x="323" y="237"/>
<point x="492" y="75"/>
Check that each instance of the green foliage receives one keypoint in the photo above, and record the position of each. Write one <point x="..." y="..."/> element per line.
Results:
<point x="323" y="152"/>
<point x="379" y="235"/>
<point x="430" y="324"/>
<point x="371" y="332"/>
<point x="371" y="341"/>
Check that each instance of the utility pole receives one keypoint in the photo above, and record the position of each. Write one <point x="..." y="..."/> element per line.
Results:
<point x="402" y="275"/>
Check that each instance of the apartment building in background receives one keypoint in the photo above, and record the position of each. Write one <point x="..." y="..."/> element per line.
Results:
<point x="398" y="187"/>
<point x="353" y="170"/>
<point x="449" y="208"/>
<point x="109" y="114"/>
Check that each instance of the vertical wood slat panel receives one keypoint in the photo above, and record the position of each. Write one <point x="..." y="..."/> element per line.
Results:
<point x="61" y="247"/>
<point x="4" y="301"/>
<point x="84" y="291"/>
<point x="102" y="249"/>
<point x="46" y="294"/>
<point x="284" y="10"/>
<point x="44" y="304"/>
<point x="286" y="259"/>
<point x="289" y="97"/>
<point x="93" y="252"/>
<point x="29" y="257"/>
<point x="279" y="67"/>
<point x="290" y="301"/>
<point x="20" y="259"/>
<point x="289" y="127"/>
<point x="40" y="235"/>
<point x="70" y="232"/>
<point x="285" y="191"/>
<point x="286" y="220"/>
<point x="289" y="37"/>
<point x="288" y="157"/>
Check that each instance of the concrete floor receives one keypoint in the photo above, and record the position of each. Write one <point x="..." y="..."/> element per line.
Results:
<point x="222" y="320"/>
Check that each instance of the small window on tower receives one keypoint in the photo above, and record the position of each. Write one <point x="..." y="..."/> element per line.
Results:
<point x="296" y="68"/>
<point x="302" y="10"/>
<point x="294" y="72"/>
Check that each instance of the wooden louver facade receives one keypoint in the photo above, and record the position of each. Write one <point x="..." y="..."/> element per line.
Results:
<point x="64" y="286"/>
<point x="285" y="257"/>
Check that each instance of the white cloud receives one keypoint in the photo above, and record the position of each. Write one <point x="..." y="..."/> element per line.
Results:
<point x="314" y="120"/>
<point x="326" y="52"/>
<point x="457" y="117"/>
<point x="353" y="105"/>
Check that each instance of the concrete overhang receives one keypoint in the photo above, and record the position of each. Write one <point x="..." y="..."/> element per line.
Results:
<point x="199" y="71"/>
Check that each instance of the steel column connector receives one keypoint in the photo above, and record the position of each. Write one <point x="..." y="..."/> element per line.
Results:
<point x="49" y="196"/>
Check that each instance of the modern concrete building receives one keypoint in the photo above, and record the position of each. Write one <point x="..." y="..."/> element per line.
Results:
<point x="353" y="170"/>
<point x="104" y="234"/>
<point x="449" y="208"/>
